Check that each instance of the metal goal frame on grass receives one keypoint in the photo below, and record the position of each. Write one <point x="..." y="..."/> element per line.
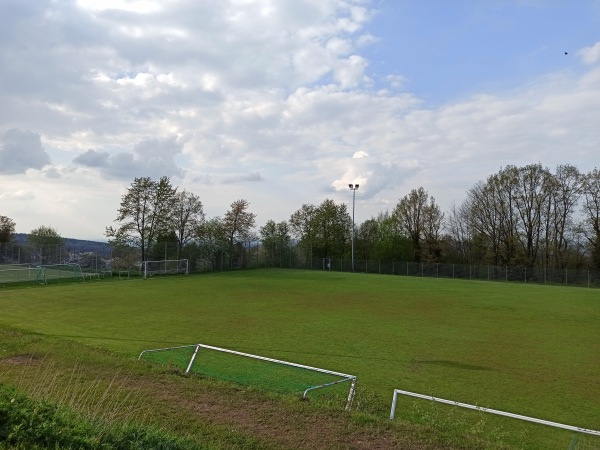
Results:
<point x="352" y="379"/>
<point x="487" y="410"/>
<point x="164" y="267"/>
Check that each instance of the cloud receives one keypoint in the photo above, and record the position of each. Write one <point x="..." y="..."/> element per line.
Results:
<point x="92" y="158"/>
<point x="590" y="55"/>
<point x="249" y="177"/>
<point x="151" y="157"/>
<point x="21" y="150"/>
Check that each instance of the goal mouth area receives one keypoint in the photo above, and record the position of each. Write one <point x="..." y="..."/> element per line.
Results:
<point x="252" y="370"/>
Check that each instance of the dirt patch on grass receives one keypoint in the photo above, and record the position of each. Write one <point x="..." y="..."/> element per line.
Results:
<point x="274" y="423"/>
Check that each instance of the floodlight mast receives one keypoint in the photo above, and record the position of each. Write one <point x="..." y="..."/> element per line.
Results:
<point x="353" y="188"/>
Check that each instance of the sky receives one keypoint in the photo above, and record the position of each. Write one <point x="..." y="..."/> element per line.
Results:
<point x="286" y="102"/>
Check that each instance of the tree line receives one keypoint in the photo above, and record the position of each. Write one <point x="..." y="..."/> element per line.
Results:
<point x="520" y="216"/>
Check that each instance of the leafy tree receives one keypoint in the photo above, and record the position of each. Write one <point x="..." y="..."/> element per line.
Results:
<point x="212" y="242"/>
<point x="331" y="228"/>
<point x="237" y="224"/>
<point x="301" y="227"/>
<point x="45" y="239"/>
<point x="275" y="239"/>
<point x="144" y="214"/>
<point x="420" y="219"/>
<point x="187" y="216"/>
<point x="7" y="229"/>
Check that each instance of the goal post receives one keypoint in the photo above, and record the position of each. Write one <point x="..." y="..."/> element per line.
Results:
<point x="22" y="274"/>
<point x="579" y="431"/>
<point x="165" y="267"/>
<point x="67" y="271"/>
<point x="251" y="370"/>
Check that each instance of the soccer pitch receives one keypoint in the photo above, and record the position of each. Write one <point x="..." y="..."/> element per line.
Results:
<point x="528" y="349"/>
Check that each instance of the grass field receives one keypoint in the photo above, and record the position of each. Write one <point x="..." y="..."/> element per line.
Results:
<point x="528" y="349"/>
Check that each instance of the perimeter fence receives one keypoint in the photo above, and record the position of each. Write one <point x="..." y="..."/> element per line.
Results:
<point x="101" y="258"/>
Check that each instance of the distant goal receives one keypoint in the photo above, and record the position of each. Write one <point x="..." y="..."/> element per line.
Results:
<point x="21" y="273"/>
<point x="165" y="267"/>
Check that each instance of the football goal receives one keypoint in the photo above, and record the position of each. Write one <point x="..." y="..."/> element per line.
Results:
<point x="69" y="271"/>
<point x="583" y="438"/>
<point x="22" y="274"/>
<point x="254" y="371"/>
<point x="165" y="267"/>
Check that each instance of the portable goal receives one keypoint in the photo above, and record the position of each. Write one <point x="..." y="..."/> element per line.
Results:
<point x="22" y="274"/>
<point x="165" y="267"/>
<point x="578" y="441"/>
<point x="68" y="271"/>
<point x="251" y="370"/>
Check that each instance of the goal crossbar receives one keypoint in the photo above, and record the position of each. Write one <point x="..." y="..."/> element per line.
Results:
<point x="344" y="376"/>
<point x="487" y="410"/>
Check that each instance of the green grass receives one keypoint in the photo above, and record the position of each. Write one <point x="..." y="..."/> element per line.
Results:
<point x="528" y="349"/>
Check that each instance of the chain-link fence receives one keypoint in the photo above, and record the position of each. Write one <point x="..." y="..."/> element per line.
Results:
<point x="102" y="258"/>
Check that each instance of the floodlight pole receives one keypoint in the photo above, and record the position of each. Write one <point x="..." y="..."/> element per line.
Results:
<point x="353" y="188"/>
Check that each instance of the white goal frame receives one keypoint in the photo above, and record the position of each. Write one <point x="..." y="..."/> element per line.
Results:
<point x="24" y="273"/>
<point x="165" y="267"/>
<point x="487" y="410"/>
<point x="343" y="376"/>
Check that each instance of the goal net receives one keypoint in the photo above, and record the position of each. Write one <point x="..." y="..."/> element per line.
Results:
<point x="256" y="371"/>
<point x="21" y="274"/>
<point x="70" y="271"/>
<point x="165" y="267"/>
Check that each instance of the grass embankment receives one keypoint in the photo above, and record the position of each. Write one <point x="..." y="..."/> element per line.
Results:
<point x="527" y="349"/>
<point x="78" y="396"/>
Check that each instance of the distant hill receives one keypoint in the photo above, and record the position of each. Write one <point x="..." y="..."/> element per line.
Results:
<point x="72" y="244"/>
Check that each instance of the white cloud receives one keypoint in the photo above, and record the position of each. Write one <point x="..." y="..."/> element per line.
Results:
<point x="590" y="55"/>
<point x="280" y="94"/>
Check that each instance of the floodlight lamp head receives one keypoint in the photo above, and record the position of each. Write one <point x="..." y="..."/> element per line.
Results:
<point x="350" y="186"/>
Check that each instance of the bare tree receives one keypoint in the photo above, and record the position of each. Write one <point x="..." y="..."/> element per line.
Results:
<point x="533" y="188"/>
<point x="591" y="210"/>
<point x="560" y="228"/>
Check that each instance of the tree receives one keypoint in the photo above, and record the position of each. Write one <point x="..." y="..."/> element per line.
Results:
<point x="421" y="219"/>
<point x="238" y="224"/>
<point x="560" y="229"/>
<point x="331" y="229"/>
<point x="590" y="226"/>
<point x="301" y="227"/>
<point x="45" y="239"/>
<point x="7" y="229"/>
<point x="275" y="239"/>
<point x="532" y="189"/>
<point x="187" y="215"/>
<point x="212" y="242"/>
<point x="144" y="213"/>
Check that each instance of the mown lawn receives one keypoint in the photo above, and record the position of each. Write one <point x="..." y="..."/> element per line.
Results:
<point x="528" y="349"/>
